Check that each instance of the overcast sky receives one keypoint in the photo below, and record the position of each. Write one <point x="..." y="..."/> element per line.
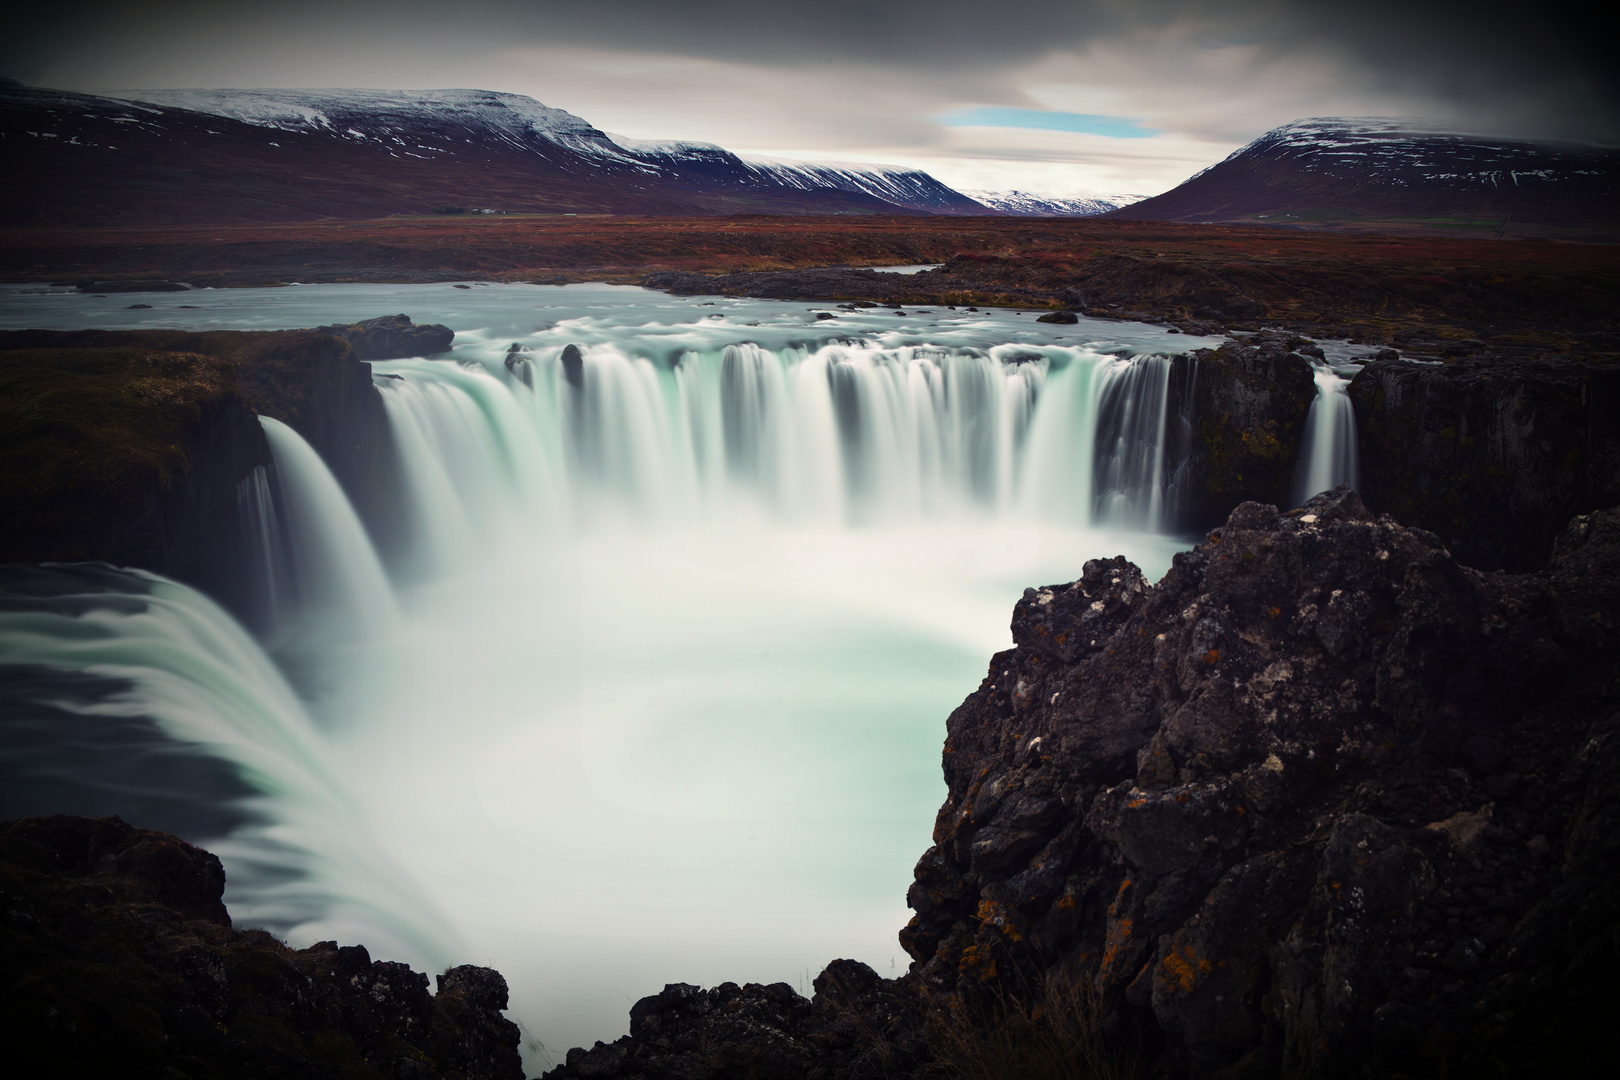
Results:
<point x="1051" y="96"/>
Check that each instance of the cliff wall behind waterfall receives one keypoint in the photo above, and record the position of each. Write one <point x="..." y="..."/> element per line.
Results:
<point x="1493" y="455"/>
<point x="128" y="446"/>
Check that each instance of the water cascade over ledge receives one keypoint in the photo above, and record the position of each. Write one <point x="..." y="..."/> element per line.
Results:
<point x="652" y="686"/>
<point x="1328" y="455"/>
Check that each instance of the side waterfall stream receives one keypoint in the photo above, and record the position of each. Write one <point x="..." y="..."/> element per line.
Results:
<point x="653" y="685"/>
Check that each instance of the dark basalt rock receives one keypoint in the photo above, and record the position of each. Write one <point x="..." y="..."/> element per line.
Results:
<point x="856" y="1026"/>
<point x="119" y="959"/>
<point x="1493" y="454"/>
<point x="1068" y="318"/>
<point x="573" y="365"/>
<point x="1237" y="415"/>
<point x="519" y="364"/>
<point x="1320" y="803"/>
<point x="392" y="337"/>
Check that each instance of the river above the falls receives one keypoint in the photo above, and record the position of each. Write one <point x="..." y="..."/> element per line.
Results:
<point x="655" y="686"/>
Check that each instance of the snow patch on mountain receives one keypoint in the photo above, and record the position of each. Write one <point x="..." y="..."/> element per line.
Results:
<point x="1400" y="150"/>
<point x="1028" y="204"/>
<point x="668" y="147"/>
<point x="897" y="184"/>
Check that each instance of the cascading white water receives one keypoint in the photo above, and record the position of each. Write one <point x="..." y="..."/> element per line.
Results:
<point x="339" y="580"/>
<point x="843" y="435"/>
<point x="188" y="666"/>
<point x="1130" y="453"/>
<point x="269" y="577"/>
<point x="1328" y="454"/>
<point x="657" y="687"/>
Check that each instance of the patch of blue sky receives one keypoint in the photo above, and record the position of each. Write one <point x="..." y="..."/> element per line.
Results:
<point x="1114" y="127"/>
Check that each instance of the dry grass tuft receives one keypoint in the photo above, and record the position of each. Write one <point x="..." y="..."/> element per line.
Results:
<point x="1056" y="1035"/>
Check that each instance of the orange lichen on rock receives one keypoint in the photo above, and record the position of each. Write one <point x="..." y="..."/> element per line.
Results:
<point x="995" y="915"/>
<point x="1181" y="968"/>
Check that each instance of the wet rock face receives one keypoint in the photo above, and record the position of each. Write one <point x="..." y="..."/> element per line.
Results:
<point x="1235" y="417"/>
<point x="392" y="337"/>
<point x="120" y="959"/>
<point x="1493" y="454"/>
<point x="1310" y="804"/>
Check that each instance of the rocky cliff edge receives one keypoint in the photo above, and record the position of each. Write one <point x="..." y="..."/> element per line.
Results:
<point x="117" y="958"/>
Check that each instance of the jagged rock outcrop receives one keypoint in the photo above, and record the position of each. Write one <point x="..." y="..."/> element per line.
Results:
<point x="119" y="959"/>
<point x="1321" y="803"/>
<point x="1493" y="454"/>
<point x="857" y="1026"/>
<point x="392" y="337"/>
<point x="1235" y="418"/>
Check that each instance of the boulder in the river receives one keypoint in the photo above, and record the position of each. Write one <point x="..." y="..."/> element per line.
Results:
<point x="392" y="337"/>
<point x="573" y="365"/>
<point x="121" y="961"/>
<point x="1065" y="317"/>
<point x="519" y="364"/>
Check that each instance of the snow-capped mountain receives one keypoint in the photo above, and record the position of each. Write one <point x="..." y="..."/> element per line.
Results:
<point x="223" y="155"/>
<point x="1340" y="169"/>
<point x="1026" y="204"/>
<point x="413" y="122"/>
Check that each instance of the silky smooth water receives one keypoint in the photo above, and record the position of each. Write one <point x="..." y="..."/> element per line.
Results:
<point x="1328" y="454"/>
<point x="654" y="686"/>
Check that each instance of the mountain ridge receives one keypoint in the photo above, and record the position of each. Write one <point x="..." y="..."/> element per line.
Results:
<point x="1365" y="172"/>
<point x="206" y="156"/>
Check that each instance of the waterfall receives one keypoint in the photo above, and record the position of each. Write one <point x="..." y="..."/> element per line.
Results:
<point x="180" y="661"/>
<point x="848" y="433"/>
<point x="339" y="579"/>
<point x="1130" y="442"/>
<point x="1328" y="455"/>
<point x="268" y="577"/>
<point x="670" y="606"/>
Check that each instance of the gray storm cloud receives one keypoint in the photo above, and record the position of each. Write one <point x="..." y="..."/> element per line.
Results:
<point x="869" y="80"/>
<point x="1541" y="69"/>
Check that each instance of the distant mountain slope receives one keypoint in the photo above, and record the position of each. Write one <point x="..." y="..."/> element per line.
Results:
<point x="911" y="189"/>
<point x="891" y="183"/>
<point x="203" y="156"/>
<point x="1023" y="204"/>
<point x="1338" y="170"/>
